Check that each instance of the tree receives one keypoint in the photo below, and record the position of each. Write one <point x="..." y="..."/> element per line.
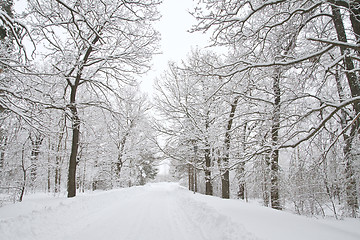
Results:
<point x="185" y="101"/>
<point x="126" y="124"/>
<point x="94" y="49"/>
<point x="225" y="176"/>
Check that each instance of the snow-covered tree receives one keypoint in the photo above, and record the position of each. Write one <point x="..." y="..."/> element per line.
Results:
<point x="93" y="46"/>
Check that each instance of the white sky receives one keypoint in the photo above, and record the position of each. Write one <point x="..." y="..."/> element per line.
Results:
<point x="176" y="42"/>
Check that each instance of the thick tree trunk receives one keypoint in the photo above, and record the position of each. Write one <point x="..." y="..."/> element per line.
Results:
<point x="274" y="157"/>
<point x="225" y="178"/>
<point x="351" y="192"/>
<point x="354" y="84"/>
<point x="74" y="144"/>
<point x="354" y="7"/>
<point x="274" y="180"/>
<point x="351" y="76"/>
<point x="73" y="156"/>
<point x="225" y="184"/>
<point x="350" y="184"/>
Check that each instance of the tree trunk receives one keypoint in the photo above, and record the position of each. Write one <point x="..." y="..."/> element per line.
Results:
<point x="74" y="144"/>
<point x="118" y="165"/>
<point x="350" y="183"/>
<point x="73" y="156"/>
<point x="58" y="157"/>
<point x="354" y="7"/>
<point x="34" y="157"/>
<point x="2" y="149"/>
<point x="225" y="180"/>
<point x="207" y="156"/>
<point x="241" y="181"/>
<point x="354" y="84"/>
<point x="351" y="76"/>
<point x="120" y="162"/>
<point x="57" y="179"/>
<point x="24" y="170"/>
<point x="49" y="169"/>
<point x="274" y="157"/>
<point x="208" y="184"/>
<point x="191" y="177"/>
<point x="121" y="147"/>
<point x="195" y="181"/>
<point x="265" y="180"/>
<point x="241" y="169"/>
<point x="195" y="164"/>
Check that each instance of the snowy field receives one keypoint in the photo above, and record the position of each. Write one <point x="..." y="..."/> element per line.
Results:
<point x="162" y="211"/>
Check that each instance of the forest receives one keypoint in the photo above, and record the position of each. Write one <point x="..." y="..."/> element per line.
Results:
<point x="272" y="118"/>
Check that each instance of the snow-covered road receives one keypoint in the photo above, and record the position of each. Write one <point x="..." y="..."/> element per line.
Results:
<point x="159" y="211"/>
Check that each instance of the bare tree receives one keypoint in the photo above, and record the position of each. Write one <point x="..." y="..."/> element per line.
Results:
<point x="94" y="49"/>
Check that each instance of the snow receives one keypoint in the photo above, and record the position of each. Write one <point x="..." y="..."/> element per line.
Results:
<point x="160" y="211"/>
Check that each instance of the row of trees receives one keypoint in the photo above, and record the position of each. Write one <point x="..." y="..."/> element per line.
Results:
<point x="277" y="117"/>
<point x="71" y="111"/>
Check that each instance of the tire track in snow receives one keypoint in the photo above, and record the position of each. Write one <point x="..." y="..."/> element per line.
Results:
<point x="213" y="224"/>
<point x="153" y="212"/>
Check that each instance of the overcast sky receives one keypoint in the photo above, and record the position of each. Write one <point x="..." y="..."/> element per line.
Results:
<point x="176" y="41"/>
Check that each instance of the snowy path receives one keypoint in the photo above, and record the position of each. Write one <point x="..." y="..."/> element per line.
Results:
<point x="161" y="211"/>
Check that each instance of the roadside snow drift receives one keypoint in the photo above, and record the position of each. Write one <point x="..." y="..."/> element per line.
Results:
<point x="160" y="211"/>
